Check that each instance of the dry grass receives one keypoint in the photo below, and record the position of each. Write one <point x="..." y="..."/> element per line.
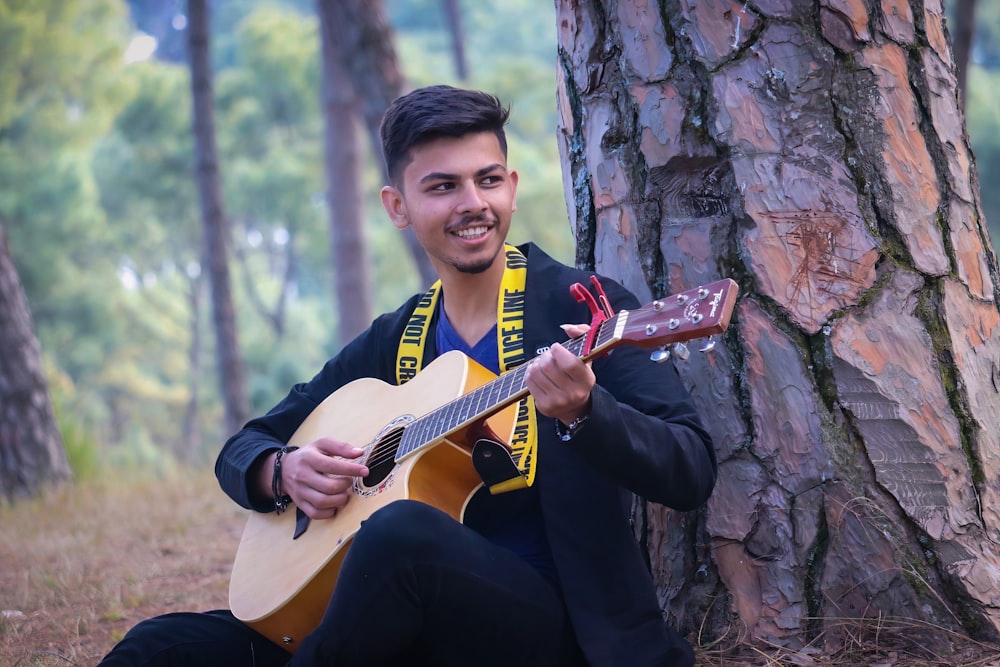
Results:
<point x="84" y="563"/>
<point x="81" y="565"/>
<point x="868" y="642"/>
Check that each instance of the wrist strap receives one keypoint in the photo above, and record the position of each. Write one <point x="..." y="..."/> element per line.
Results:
<point x="280" y="499"/>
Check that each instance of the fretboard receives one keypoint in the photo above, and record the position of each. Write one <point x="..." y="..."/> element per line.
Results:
<point x="493" y="396"/>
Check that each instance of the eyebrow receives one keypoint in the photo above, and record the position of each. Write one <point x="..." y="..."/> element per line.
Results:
<point x="443" y="176"/>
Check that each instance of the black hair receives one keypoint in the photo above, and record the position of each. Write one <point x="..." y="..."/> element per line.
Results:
<point x="433" y="112"/>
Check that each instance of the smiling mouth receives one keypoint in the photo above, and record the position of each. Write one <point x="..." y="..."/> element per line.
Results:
<point x="472" y="232"/>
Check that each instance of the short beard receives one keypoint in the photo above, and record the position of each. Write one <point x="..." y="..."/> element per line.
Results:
<point x="473" y="269"/>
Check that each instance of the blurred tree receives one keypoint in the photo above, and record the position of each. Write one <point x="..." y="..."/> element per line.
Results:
<point x="215" y="226"/>
<point x="269" y="135"/>
<point x="271" y="141"/>
<point x="822" y="161"/>
<point x="367" y="44"/>
<point x="144" y="172"/>
<point x="349" y="254"/>
<point x="108" y="243"/>
<point x="60" y="88"/>
<point x="453" y="12"/>
<point x="32" y="453"/>
<point x="965" y="28"/>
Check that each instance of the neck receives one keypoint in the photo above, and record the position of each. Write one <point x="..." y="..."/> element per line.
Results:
<point x="470" y="301"/>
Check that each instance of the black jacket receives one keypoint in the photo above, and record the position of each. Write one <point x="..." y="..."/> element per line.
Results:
<point x="643" y="437"/>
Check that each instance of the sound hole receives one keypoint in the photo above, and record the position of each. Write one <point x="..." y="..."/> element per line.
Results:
<point x="381" y="457"/>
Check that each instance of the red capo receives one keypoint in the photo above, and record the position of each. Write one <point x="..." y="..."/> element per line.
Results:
<point x="600" y="309"/>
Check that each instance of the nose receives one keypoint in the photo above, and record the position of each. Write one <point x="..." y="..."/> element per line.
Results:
<point x="471" y="200"/>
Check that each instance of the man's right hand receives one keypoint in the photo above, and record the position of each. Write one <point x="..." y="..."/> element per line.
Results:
<point x="318" y="476"/>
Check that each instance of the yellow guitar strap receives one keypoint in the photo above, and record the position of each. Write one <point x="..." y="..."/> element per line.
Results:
<point x="510" y="346"/>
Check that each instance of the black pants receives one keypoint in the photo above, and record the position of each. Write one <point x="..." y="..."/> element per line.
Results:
<point x="416" y="588"/>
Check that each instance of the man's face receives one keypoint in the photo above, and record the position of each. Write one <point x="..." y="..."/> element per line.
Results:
<point x="458" y="196"/>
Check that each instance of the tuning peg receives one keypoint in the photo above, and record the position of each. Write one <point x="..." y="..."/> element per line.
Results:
<point x="708" y="345"/>
<point x="659" y="355"/>
<point x="681" y="351"/>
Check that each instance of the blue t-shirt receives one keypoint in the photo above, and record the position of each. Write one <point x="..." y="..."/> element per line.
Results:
<point x="512" y="520"/>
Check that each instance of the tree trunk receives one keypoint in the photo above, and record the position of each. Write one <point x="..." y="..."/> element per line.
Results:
<point x="191" y="448"/>
<point x="214" y="224"/>
<point x="367" y="43"/>
<point x="453" y="17"/>
<point x="352" y="279"/>
<point x="823" y="163"/>
<point x="32" y="453"/>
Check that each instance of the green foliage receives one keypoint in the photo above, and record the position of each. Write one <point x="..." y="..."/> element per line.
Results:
<point x="271" y="138"/>
<point x="144" y="171"/>
<point x="96" y="161"/>
<point x="82" y="449"/>
<point x="61" y="89"/>
<point x="140" y="453"/>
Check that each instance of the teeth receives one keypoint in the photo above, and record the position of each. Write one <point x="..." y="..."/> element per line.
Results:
<point x="471" y="232"/>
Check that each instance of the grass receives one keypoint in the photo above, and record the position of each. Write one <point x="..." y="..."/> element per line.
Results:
<point x="83" y="563"/>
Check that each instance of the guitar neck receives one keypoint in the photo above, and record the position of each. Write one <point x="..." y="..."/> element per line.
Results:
<point x="493" y="396"/>
<point x="700" y="312"/>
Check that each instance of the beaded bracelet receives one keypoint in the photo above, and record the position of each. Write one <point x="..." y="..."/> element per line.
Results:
<point x="566" y="433"/>
<point x="280" y="499"/>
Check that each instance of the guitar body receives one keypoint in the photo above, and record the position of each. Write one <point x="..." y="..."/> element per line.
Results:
<point x="280" y="586"/>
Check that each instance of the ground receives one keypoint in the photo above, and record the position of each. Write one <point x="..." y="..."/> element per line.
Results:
<point x="84" y="563"/>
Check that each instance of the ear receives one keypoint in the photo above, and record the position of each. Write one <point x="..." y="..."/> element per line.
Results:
<point x="395" y="206"/>
<point x="512" y="175"/>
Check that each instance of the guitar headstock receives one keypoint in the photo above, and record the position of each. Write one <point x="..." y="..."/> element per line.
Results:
<point x="696" y="313"/>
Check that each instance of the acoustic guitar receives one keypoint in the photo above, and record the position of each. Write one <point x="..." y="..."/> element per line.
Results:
<point x="417" y="441"/>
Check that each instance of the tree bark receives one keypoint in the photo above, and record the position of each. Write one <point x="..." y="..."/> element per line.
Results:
<point x="352" y="280"/>
<point x="214" y="224"/>
<point x="32" y="453"/>
<point x="366" y="42"/>
<point x="824" y="165"/>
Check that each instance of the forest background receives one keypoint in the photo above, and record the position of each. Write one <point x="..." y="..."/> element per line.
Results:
<point x="102" y="212"/>
<point x="98" y="197"/>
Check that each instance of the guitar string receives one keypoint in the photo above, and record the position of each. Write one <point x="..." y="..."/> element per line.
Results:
<point x="446" y="417"/>
<point x="387" y="448"/>
<point x="443" y="415"/>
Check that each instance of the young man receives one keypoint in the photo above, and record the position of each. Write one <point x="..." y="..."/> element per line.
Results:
<point x="548" y="574"/>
